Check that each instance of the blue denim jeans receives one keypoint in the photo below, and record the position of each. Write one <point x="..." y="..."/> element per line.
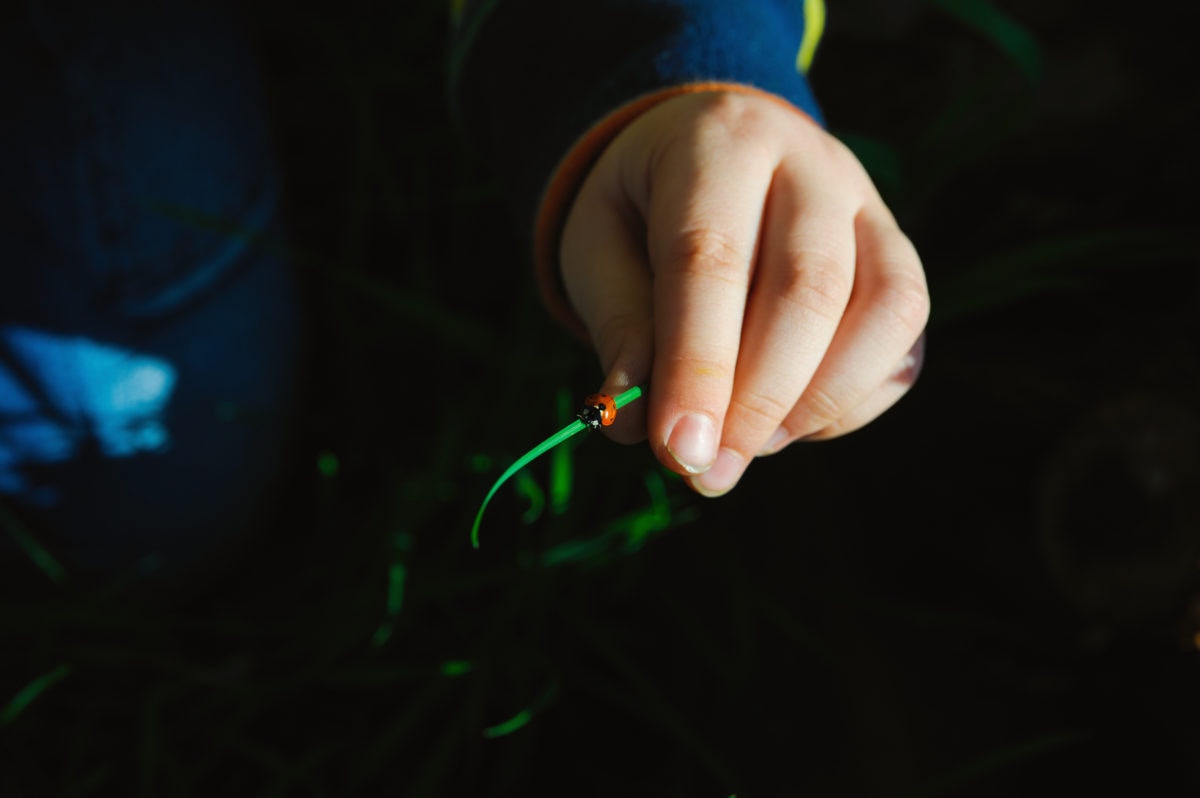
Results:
<point x="149" y="331"/>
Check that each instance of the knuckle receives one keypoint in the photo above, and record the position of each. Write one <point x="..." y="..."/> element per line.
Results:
<point x="822" y="409"/>
<point x="724" y="120"/>
<point x="707" y="367"/>
<point x="817" y="284"/>
<point x="758" y="408"/>
<point x="706" y="252"/>
<point x="907" y="299"/>
<point x="731" y="114"/>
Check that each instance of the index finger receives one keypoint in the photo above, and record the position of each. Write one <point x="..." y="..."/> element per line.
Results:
<point x="703" y="221"/>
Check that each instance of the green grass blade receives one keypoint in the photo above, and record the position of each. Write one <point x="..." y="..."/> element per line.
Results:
<point x="562" y="470"/>
<point x="1051" y="265"/>
<point x="628" y="396"/>
<point x="397" y="577"/>
<point x="1006" y="33"/>
<point x="518" y="721"/>
<point x="992" y="762"/>
<point x="522" y="718"/>
<point x="574" y="428"/>
<point x="656" y="518"/>
<point x="36" y="552"/>
<point x="452" y="668"/>
<point x="528" y="487"/>
<point x="31" y="691"/>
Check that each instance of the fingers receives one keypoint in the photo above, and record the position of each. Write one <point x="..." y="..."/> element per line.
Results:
<point x="703" y="221"/>
<point x="802" y="286"/>
<point x="883" y="397"/>
<point x="877" y="351"/>
<point x="837" y="306"/>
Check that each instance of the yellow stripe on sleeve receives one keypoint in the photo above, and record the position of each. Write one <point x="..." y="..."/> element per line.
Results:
<point x="814" y="26"/>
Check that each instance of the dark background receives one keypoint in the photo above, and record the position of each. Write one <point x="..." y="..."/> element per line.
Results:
<point x="991" y="591"/>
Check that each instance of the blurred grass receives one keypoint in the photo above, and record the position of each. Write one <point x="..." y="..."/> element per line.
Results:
<point x="616" y="636"/>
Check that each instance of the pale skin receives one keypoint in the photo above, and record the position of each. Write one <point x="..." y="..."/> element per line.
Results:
<point x="736" y="259"/>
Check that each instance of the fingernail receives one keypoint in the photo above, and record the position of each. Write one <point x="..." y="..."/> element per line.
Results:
<point x="693" y="443"/>
<point x="775" y="443"/>
<point x="723" y="475"/>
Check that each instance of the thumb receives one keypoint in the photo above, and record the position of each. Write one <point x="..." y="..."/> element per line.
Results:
<point x="607" y="280"/>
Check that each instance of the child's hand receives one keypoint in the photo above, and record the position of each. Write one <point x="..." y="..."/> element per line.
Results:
<point x="732" y="256"/>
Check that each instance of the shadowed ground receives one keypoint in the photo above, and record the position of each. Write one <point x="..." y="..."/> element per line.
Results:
<point x="992" y="591"/>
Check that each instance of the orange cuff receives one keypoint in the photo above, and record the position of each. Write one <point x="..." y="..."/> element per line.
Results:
<point x="569" y="174"/>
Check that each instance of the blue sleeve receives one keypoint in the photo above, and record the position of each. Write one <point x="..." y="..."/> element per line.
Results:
<point x="529" y="77"/>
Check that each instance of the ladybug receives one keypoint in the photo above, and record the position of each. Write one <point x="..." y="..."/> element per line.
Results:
<point x="598" y="410"/>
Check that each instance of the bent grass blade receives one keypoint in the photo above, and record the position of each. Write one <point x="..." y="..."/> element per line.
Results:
<point x="564" y="434"/>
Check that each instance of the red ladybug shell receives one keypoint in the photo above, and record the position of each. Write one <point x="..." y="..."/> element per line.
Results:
<point x="599" y="409"/>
